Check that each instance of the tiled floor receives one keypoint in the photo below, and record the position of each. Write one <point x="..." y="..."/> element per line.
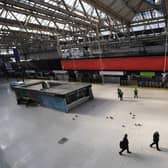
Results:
<point x="29" y="136"/>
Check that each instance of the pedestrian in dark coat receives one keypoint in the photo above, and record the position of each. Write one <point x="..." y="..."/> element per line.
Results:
<point x="135" y="93"/>
<point x="118" y="92"/>
<point x="121" y="95"/>
<point x="124" y="145"/>
<point x="156" y="140"/>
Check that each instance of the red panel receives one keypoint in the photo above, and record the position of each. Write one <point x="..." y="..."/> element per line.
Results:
<point x="120" y="63"/>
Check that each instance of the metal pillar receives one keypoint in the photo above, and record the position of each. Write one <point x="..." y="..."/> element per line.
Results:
<point x="100" y="55"/>
<point x="166" y="45"/>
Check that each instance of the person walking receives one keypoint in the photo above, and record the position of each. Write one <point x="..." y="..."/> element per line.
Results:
<point x="124" y="145"/>
<point x="135" y="93"/>
<point x="120" y="94"/>
<point x="156" y="140"/>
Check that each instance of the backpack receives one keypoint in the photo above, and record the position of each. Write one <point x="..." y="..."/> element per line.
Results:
<point x="121" y="144"/>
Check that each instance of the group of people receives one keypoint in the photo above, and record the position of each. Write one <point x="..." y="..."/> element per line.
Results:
<point x="124" y="144"/>
<point x="121" y="93"/>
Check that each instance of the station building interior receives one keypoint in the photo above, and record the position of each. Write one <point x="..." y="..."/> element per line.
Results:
<point x="78" y="78"/>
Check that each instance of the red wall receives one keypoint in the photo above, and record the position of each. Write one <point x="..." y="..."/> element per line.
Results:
<point x="153" y="63"/>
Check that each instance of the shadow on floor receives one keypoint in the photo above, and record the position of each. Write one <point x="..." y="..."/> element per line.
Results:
<point x="3" y="162"/>
<point x="164" y="149"/>
<point x="135" y="156"/>
<point x="126" y="99"/>
<point x="161" y="148"/>
<point x="153" y="98"/>
<point x="95" y="107"/>
<point x="141" y="157"/>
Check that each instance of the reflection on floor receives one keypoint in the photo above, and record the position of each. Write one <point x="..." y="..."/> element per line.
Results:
<point x="29" y="136"/>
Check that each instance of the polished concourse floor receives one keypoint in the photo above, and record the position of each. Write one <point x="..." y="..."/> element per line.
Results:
<point x="29" y="135"/>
